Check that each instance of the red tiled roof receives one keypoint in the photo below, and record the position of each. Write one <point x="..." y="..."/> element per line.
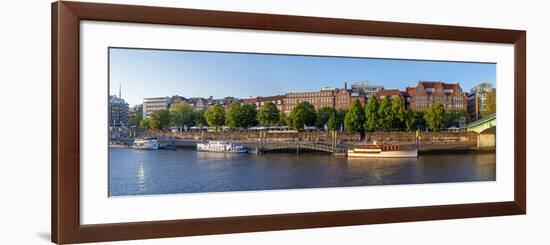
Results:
<point x="263" y="99"/>
<point x="429" y="84"/>
<point x="389" y="92"/>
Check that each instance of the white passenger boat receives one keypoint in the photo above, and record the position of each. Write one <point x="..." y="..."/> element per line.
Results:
<point x="146" y="144"/>
<point x="221" y="146"/>
<point x="376" y="150"/>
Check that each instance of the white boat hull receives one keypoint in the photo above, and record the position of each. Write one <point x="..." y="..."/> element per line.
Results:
<point x="221" y="147"/>
<point x="384" y="154"/>
<point x="146" y="147"/>
<point x="236" y="152"/>
<point x="142" y="144"/>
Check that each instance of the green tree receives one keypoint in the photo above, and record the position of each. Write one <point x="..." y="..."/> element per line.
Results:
<point x="435" y="116"/>
<point x="398" y="112"/>
<point x="385" y="115"/>
<point x="181" y="114"/>
<point x="332" y="123"/>
<point x="159" y="119"/>
<point x="452" y="118"/>
<point x="215" y="116"/>
<point x="355" y="118"/>
<point x="414" y="120"/>
<point x="371" y="115"/>
<point x="241" y="116"/>
<point x="135" y="121"/>
<point x="145" y="123"/>
<point x="268" y="114"/>
<point x="303" y="114"/>
<point x="199" y="118"/>
<point x="490" y="104"/>
<point x="283" y="119"/>
<point x="233" y="115"/>
<point x="249" y="116"/>
<point x="323" y="116"/>
<point x="340" y="116"/>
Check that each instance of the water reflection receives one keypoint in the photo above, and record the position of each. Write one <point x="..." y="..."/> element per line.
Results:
<point x="141" y="177"/>
<point x="188" y="171"/>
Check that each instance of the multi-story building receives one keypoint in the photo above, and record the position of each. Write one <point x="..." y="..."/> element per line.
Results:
<point x="345" y="97"/>
<point x="320" y="99"/>
<point x="477" y="98"/>
<point x="176" y="99"/>
<point x="133" y="112"/>
<point x="151" y="105"/>
<point x="368" y="90"/>
<point x="118" y="112"/>
<point x="390" y="93"/>
<point x="259" y="101"/>
<point x="425" y="93"/>
<point x="198" y="103"/>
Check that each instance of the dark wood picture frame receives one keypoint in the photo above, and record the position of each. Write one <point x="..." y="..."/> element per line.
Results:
<point x="65" y="169"/>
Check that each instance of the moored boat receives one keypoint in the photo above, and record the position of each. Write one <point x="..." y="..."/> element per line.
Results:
<point x="376" y="150"/>
<point x="146" y="144"/>
<point x="221" y="146"/>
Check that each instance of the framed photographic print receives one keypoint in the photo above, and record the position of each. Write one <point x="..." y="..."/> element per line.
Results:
<point x="176" y="122"/>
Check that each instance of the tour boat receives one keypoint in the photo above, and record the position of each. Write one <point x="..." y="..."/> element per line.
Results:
<point x="221" y="146"/>
<point x="376" y="150"/>
<point x="146" y="144"/>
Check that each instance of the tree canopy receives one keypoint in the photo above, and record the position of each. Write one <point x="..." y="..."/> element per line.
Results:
<point x="397" y="112"/>
<point x="283" y="119"/>
<point x="181" y="114"/>
<point x="385" y="115"/>
<point x="371" y="115"/>
<point x="159" y="119"/>
<point x="303" y="114"/>
<point x="414" y="120"/>
<point x="435" y="116"/>
<point x="452" y="118"/>
<point x="268" y="114"/>
<point x="323" y="116"/>
<point x="136" y="121"/>
<point x="215" y="116"/>
<point x="199" y="119"/>
<point x="490" y="104"/>
<point x="241" y="116"/>
<point x="355" y="117"/>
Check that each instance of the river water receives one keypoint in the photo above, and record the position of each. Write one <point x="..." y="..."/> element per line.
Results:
<point x="141" y="172"/>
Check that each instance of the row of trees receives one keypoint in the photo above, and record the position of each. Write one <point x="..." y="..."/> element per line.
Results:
<point x="377" y="115"/>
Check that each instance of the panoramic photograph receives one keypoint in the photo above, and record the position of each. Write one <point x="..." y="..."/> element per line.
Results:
<point x="203" y="121"/>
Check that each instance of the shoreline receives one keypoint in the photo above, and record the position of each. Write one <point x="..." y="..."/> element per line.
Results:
<point x="424" y="150"/>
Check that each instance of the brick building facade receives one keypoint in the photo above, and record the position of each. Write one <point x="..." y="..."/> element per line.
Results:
<point x="324" y="98"/>
<point x="259" y="101"/>
<point x="425" y="93"/>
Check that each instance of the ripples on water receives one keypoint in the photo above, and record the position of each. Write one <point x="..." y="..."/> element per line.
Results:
<point x="140" y="172"/>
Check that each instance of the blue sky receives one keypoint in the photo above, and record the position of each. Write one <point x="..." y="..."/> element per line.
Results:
<point x="156" y="73"/>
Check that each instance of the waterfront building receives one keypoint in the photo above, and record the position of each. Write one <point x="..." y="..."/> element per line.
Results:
<point x="477" y="98"/>
<point x="176" y="99"/>
<point x="151" y="105"/>
<point x="118" y="112"/>
<point x="345" y="97"/>
<point x="390" y="93"/>
<point x="259" y="101"/>
<point x="198" y="103"/>
<point x="133" y="111"/>
<point x="319" y="99"/>
<point x="368" y="90"/>
<point x="426" y="92"/>
<point x="225" y="100"/>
